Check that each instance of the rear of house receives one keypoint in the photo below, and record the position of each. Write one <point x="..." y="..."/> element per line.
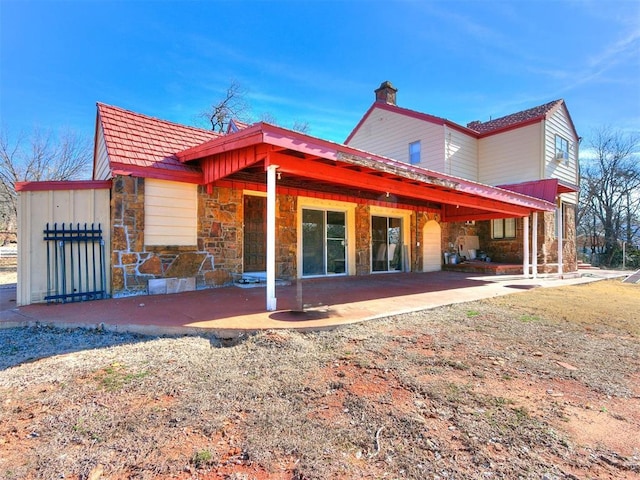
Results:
<point x="189" y="208"/>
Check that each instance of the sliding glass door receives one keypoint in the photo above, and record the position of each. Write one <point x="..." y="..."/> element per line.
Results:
<point x="386" y="244"/>
<point x="323" y="242"/>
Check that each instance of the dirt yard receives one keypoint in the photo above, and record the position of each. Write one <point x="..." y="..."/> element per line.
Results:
<point x="542" y="384"/>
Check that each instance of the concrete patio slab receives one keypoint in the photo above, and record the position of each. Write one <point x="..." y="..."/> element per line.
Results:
<point x="231" y="311"/>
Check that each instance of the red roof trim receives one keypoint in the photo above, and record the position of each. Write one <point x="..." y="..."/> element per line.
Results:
<point x="413" y="114"/>
<point x="514" y="126"/>
<point x="547" y="189"/>
<point x="513" y="120"/>
<point x="62" y="185"/>
<point x="157" y="173"/>
<point x="264" y="133"/>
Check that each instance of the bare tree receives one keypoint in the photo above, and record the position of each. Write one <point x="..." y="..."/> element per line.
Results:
<point x="36" y="157"/>
<point x="610" y="190"/>
<point x="233" y="104"/>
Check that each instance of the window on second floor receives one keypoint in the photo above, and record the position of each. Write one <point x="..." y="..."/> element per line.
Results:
<point x="503" y="228"/>
<point x="414" y="153"/>
<point x="562" y="148"/>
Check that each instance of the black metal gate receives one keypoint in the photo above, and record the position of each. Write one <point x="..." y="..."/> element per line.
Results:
<point x="75" y="263"/>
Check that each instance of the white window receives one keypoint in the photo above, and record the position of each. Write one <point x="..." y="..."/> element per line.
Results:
<point x="562" y="148"/>
<point x="414" y="153"/>
<point x="503" y="228"/>
<point x="170" y="213"/>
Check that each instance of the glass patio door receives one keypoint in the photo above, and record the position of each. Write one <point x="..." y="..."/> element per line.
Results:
<point x="386" y="244"/>
<point x="323" y="242"/>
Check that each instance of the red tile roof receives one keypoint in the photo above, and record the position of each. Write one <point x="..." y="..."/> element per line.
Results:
<point x="146" y="146"/>
<point x="530" y="115"/>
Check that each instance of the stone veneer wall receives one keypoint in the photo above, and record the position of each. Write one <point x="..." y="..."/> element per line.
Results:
<point x="132" y="263"/>
<point x="511" y="250"/>
<point x="363" y="239"/>
<point x="287" y="237"/>
<point x="220" y="217"/>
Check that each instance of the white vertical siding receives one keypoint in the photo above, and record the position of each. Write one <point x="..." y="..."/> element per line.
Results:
<point x="101" y="169"/>
<point x="512" y="156"/>
<point x="170" y="213"/>
<point x="461" y="154"/>
<point x="35" y="210"/>
<point x="564" y="170"/>
<point x="389" y="134"/>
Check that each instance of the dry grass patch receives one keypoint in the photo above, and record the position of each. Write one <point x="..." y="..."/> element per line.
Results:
<point x="602" y="304"/>
<point x="468" y="391"/>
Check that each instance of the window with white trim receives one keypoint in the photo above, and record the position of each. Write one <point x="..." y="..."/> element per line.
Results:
<point x="503" y="228"/>
<point x="562" y="148"/>
<point x="414" y="153"/>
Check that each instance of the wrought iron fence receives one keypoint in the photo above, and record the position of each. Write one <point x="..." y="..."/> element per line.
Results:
<point x="75" y="263"/>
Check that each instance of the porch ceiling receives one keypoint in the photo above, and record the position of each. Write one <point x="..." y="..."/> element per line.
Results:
<point x="313" y="164"/>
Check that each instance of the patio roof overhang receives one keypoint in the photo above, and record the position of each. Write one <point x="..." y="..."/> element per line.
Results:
<point x="310" y="163"/>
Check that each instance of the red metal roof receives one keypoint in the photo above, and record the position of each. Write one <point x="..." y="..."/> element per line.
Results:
<point x="547" y="189"/>
<point x="519" y="118"/>
<point x="476" y="129"/>
<point x="351" y="167"/>
<point x="146" y="146"/>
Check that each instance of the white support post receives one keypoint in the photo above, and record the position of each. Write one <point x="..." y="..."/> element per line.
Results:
<point x="534" y="245"/>
<point x="271" y="238"/>
<point x="559" y="238"/>
<point x="525" y="256"/>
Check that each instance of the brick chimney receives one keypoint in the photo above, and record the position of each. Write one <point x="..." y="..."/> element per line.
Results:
<point x="386" y="93"/>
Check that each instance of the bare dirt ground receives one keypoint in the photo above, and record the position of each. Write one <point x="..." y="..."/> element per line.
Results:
<point x="543" y="384"/>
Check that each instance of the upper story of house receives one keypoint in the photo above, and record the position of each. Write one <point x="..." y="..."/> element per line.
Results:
<point x="534" y="144"/>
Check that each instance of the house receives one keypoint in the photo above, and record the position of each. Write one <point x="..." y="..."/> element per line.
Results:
<point x="534" y="152"/>
<point x="189" y="208"/>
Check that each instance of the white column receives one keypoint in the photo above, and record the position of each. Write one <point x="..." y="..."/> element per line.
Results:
<point x="559" y="215"/>
<point x="525" y="256"/>
<point x="534" y="245"/>
<point x="271" y="238"/>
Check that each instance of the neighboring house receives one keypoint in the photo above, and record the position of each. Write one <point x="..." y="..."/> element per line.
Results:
<point x="190" y="208"/>
<point x="534" y="151"/>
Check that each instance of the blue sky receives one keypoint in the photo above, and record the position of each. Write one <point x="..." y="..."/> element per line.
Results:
<point x="317" y="61"/>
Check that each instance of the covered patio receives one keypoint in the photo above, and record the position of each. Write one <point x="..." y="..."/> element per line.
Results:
<point x="278" y="161"/>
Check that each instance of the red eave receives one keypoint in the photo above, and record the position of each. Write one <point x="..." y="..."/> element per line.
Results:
<point x="514" y="126"/>
<point x="312" y="147"/>
<point x="547" y="189"/>
<point x="157" y="173"/>
<point x="412" y="114"/>
<point x="62" y="185"/>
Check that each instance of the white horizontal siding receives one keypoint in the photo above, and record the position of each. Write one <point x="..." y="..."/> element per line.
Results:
<point x="389" y="134"/>
<point x="101" y="169"/>
<point x="564" y="170"/>
<point x="35" y="210"/>
<point x="170" y="213"/>
<point x="511" y="157"/>
<point x="461" y="153"/>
